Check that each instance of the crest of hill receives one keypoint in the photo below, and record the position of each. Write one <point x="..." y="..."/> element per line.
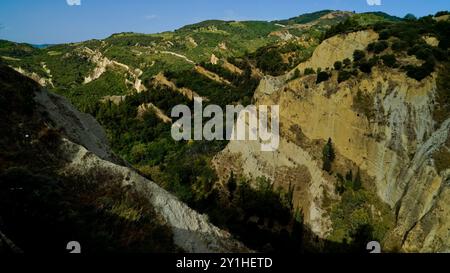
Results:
<point x="304" y="18"/>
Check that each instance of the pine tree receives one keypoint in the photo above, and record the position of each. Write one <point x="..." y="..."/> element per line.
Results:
<point x="357" y="184"/>
<point x="328" y="156"/>
<point x="232" y="185"/>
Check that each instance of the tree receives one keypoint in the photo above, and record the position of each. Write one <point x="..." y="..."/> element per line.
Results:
<point x="349" y="175"/>
<point x="357" y="183"/>
<point x="358" y="55"/>
<point x="322" y="76"/>
<point x="379" y="47"/>
<point x="344" y="75"/>
<point x="410" y="17"/>
<point x="389" y="60"/>
<point x="296" y="74"/>
<point x="309" y="71"/>
<point x="338" y="65"/>
<point x="232" y="185"/>
<point x="328" y="156"/>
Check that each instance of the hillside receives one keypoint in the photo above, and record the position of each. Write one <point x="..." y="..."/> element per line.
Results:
<point x="364" y="152"/>
<point x="384" y="108"/>
<point x="59" y="181"/>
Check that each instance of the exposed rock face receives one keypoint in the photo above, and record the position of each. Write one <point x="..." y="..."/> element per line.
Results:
<point x="390" y="135"/>
<point x="211" y="75"/>
<point x="45" y="82"/>
<point x="338" y="48"/>
<point x="78" y="127"/>
<point x="431" y="40"/>
<point x="161" y="80"/>
<point x="283" y="35"/>
<point x="179" y="56"/>
<point x="192" y="231"/>
<point x="103" y="63"/>
<point x="144" y="108"/>
<point x="87" y="151"/>
<point x="214" y="60"/>
<point x="192" y="42"/>
<point x="232" y="68"/>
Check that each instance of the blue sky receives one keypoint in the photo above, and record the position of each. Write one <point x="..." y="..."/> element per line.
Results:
<point x="54" y="21"/>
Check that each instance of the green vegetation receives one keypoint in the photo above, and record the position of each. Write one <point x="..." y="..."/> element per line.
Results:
<point x="358" y="55"/>
<point x="442" y="108"/>
<point x="304" y="18"/>
<point x="390" y="60"/>
<point x="442" y="158"/>
<point x="309" y="71"/>
<point x="363" y="104"/>
<point x="270" y="61"/>
<point x="322" y="76"/>
<point x="360" y="22"/>
<point x="407" y="37"/>
<point x="262" y="216"/>
<point x="111" y="83"/>
<point x="378" y="47"/>
<point x="328" y="156"/>
<point x="442" y="13"/>
<point x="348" y="182"/>
<point x="359" y="217"/>
<point x="221" y="94"/>
<point x="344" y="75"/>
<point x="338" y="65"/>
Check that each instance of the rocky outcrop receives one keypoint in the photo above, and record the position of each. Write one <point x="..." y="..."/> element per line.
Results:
<point x="192" y="231"/>
<point x="161" y="80"/>
<point x="78" y="127"/>
<point x="102" y="64"/>
<point x="43" y="81"/>
<point x="338" y="48"/>
<point x="144" y="108"/>
<point x="211" y="75"/>
<point x="381" y="122"/>
<point x="178" y="55"/>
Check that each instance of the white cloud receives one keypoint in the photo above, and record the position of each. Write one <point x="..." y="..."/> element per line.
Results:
<point x="374" y="2"/>
<point x="73" y="2"/>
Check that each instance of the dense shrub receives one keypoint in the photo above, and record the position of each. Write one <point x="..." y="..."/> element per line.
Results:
<point x="349" y="25"/>
<point x="442" y="13"/>
<point x="358" y="55"/>
<point x="328" y="156"/>
<point x="378" y="47"/>
<point x="384" y="35"/>
<point x="390" y="60"/>
<point x="309" y="71"/>
<point x="399" y="45"/>
<point x="344" y="75"/>
<point x="421" y="72"/>
<point x="421" y="51"/>
<point x="338" y="65"/>
<point x="269" y="60"/>
<point x="366" y="66"/>
<point x="322" y="76"/>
